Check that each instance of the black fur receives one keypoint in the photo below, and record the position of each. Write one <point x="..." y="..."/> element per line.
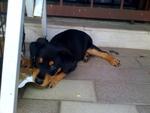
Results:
<point x="65" y="49"/>
<point x="35" y="48"/>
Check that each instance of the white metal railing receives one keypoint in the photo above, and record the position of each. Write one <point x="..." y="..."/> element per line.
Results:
<point x="11" y="60"/>
<point x="12" y="51"/>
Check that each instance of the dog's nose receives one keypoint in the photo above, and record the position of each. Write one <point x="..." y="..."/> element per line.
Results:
<point x="38" y="81"/>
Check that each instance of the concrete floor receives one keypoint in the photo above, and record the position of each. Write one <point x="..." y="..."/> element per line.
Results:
<point x="96" y="87"/>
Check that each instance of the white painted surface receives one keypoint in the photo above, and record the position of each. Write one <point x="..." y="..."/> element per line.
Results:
<point x="29" y="7"/>
<point x="44" y="19"/>
<point x="78" y="90"/>
<point x="38" y="8"/>
<point x="80" y="107"/>
<point x="101" y="37"/>
<point x="11" y="61"/>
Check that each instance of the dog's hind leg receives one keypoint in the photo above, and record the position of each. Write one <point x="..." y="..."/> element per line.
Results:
<point x="104" y="55"/>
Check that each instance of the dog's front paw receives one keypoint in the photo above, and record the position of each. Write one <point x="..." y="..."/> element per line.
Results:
<point x="115" y="62"/>
<point x="53" y="82"/>
<point x="56" y="79"/>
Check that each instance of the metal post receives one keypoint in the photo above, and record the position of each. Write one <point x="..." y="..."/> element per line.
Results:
<point x="11" y="61"/>
<point x="147" y="5"/>
<point x="61" y="2"/>
<point x="38" y="8"/>
<point x="44" y="19"/>
<point x="29" y="7"/>
<point x="121" y="4"/>
<point x="92" y="2"/>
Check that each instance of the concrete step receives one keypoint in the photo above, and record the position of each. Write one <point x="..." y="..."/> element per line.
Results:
<point x="37" y="106"/>
<point x="49" y="106"/>
<point x="77" y="90"/>
<point x="143" y="109"/>
<point x="80" y="107"/>
<point x="119" y="92"/>
<point x="119" y="35"/>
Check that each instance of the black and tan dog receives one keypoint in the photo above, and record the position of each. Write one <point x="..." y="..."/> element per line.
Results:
<point x="51" y="61"/>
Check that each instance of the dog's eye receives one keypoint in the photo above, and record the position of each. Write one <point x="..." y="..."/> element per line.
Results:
<point x="52" y="67"/>
<point x="52" y="70"/>
<point x="51" y="63"/>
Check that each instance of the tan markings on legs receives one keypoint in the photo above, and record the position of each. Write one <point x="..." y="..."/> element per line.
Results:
<point x="46" y="81"/>
<point x="113" y="61"/>
<point x="51" y="80"/>
<point x="56" y="79"/>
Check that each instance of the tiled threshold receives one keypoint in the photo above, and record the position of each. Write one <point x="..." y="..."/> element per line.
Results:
<point x="76" y="107"/>
<point x="66" y="90"/>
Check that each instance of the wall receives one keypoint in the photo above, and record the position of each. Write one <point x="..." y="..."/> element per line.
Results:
<point x="119" y="38"/>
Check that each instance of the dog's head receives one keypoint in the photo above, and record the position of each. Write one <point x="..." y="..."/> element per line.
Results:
<point x="52" y="60"/>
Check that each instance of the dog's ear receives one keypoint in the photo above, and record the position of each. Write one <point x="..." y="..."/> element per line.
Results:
<point x="41" y="42"/>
